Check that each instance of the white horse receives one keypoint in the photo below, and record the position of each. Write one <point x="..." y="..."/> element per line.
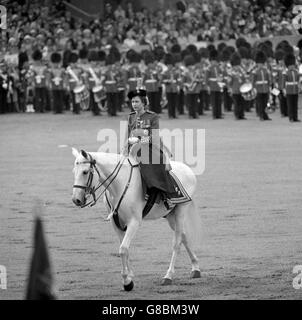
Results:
<point x="120" y="180"/>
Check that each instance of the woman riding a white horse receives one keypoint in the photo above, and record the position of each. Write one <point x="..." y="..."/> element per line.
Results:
<point x="120" y="179"/>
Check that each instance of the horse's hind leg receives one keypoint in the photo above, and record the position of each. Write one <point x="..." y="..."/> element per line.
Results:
<point x="176" y="222"/>
<point x="188" y="245"/>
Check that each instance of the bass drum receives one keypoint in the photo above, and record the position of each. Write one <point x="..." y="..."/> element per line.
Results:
<point x="248" y="92"/>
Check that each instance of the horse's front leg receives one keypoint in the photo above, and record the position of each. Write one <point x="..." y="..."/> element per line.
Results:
<point x="127" y="274"/>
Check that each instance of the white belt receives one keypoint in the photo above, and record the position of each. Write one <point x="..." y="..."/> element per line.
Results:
<point x="213" y="79"/>
<point x="292" y="83"/>
<point x="262" y="82"/>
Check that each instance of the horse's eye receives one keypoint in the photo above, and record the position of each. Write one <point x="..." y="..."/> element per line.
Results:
<point x="85" y="172"/>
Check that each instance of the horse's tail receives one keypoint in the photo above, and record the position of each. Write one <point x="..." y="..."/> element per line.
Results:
<point x="192" y="225"/>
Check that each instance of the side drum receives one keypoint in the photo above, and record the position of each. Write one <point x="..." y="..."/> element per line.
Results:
<point x="248" y="92"/>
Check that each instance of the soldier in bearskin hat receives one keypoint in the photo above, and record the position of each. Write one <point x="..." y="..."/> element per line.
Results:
<point x="179" y="70"/>
<point x="151" y="82"/>
<point x="72" y="82"/>
<point x="214" y="77"/>
<point x="291" y="87"/>
<point x="94" y="80"/>
<point x="225" y="64"/>
<point x="237" y="78"/>
<point x="170" y="81"/>
<point x="192" y="86"/>
<point x="204" y="98"/>
<point x="57" y="82"/>
<point x="111" y="84"/>
<point x="261" y="80"/>
<point x="280" y="72"/>
<point x="38" y="75"/>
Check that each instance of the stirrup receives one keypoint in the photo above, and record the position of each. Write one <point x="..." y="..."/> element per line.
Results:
<point x="168" y="204"/>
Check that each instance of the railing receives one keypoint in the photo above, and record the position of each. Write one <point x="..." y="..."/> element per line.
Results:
<point x="79" y="13"/>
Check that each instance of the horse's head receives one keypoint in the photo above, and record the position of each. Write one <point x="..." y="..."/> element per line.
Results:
<point x="83" y="176"/>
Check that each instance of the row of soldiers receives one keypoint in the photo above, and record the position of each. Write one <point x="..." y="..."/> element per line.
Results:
<point x="195" y="79"/>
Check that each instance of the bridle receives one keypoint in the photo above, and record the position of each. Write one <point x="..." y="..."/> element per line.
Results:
<point x="91" y="190"/>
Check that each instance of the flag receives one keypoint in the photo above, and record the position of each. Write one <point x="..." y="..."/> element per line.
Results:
<point x="39" y="286"/>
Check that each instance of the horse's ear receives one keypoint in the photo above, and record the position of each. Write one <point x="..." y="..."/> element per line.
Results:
<point x="75" y="152"/>
<point x="84" y="154"/>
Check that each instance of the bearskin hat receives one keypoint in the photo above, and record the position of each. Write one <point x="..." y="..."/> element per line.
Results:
<point x="102" y="55"/>
<point x="279" y="55"/>
<point x="93" y="55"/>
<point x="239" y="42"/>
<point x="130" y="55"/>
<point x="235" y="59"/>
<point x="214" y="55"/>
<point x="110" y="59"/>
<point x="225" y="54"/>
<point x="159" y="53"/>
<point x="299" y="44"/>
<point x="221" y="46"/>
<point x="177" y="57"/>
<point x="175" y="48"/>
<point x="211" y="47"/>
<point x="137" y="93"/>
<point x="289" y="59"/>
<point x="115" y="52"/>
<point x="169" y="59"/>
<point x="244" y="53"/>
<point x="191" y="48"/>
<point x="37" y="55"/>
<point x="149" y="57"/>
<point x="204" y="53"/>
<point x="231" y="49"/>
<point x="189" y="60"/>
<point x="55" y="57"/>
<point x="184" y="53"/>
<point x="288" y="49"/>
<point x="83" y="53"/>
<point x="73" y="58"/>
<point x="260" y="57"/>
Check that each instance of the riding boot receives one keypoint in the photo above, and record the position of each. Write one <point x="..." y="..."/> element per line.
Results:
<point x="153" y="192"/>
<point x="167" y="201"/>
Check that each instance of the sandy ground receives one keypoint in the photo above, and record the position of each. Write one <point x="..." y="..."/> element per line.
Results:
<point x="249" y="199"/>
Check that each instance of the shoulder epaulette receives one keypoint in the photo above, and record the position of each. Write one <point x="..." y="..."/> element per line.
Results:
<point x="133" y="112"/>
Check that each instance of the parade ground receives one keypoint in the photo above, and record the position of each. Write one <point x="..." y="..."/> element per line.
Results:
<point x="249" y="199"/>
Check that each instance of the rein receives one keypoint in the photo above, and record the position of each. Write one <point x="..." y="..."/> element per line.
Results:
<point x="91" y="190"/>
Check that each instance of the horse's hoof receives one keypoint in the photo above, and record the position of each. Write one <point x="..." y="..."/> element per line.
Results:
<point x="195" y="274"/>
<point x="129" y="287"/>
<point x="166" y="282"/>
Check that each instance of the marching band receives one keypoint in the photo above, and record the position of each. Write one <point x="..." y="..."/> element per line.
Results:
<point x="100" y="81"/>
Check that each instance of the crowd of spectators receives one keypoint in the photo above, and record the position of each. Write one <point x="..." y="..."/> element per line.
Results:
<point x="47" y="25"/>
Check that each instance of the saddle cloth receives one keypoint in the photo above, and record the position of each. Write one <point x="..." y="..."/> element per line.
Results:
<point x="179" y="196"/>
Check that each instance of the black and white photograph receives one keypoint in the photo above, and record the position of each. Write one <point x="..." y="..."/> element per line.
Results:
<point x="150" y="151"/>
